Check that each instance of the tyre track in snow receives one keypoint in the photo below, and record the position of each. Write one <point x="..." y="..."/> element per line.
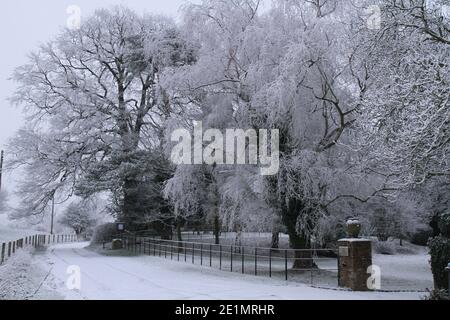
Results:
<point x="60" y="253"/>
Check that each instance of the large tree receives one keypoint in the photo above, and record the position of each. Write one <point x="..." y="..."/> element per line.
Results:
<point x="96" y="109"/>
<point x="286" y="69"/>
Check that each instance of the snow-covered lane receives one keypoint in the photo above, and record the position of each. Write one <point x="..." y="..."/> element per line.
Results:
<point x="122" y="277"/>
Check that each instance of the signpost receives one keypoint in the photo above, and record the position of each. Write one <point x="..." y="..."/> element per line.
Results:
<point x="120" y="227"/>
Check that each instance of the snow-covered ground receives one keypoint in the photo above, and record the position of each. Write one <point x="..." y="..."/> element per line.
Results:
<point x="405" y="271"/>
<point x="143" y="277"/>
<point x="23" y="277"/>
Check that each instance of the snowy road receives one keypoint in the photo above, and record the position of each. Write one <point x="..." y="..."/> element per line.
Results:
<point x="122" y="277"/>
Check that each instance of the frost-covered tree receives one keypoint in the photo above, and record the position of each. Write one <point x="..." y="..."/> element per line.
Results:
<point x="79" y="216"/>
<point x="96" y="108"/>
<point x="285" y="69"/>
<point x="405" y="111"/>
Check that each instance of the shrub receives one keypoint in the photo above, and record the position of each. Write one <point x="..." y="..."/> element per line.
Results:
<point x="104" y="232"/>
<point x="440" y="257"/>
<point x="421" y="237"/>
<point x="384" y="247"/>
<point x="437" y="294"/>
<point x="444" y="224"/>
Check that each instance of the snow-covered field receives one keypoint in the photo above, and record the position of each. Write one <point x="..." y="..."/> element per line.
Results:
<point x="405" y="271"/>
<point x="11" y="234"/>
<point x="143" y="277"/>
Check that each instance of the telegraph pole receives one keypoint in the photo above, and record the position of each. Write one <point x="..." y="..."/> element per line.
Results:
<point x="1" y="169"/>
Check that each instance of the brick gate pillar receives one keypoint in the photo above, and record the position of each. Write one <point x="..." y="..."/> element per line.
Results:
<point x="355" y="257"/>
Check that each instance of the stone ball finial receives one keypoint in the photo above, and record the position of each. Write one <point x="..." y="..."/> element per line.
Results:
<point x="353" y="227"/>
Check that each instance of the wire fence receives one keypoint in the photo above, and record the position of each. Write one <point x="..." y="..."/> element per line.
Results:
<point x="312" y="266"/>
<point x="9" y="248"/>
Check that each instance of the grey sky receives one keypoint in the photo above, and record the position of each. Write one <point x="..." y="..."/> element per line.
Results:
<point x="26" y="23"/>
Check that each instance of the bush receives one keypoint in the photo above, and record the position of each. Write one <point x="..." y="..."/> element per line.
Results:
<point x="437" y="294"/>
<point x="104" y="233"/>
<point x="444" y="224"/>
<point x="384" y="247"/>
<point x="440" y="257"/>
<point x="421" y="237"/>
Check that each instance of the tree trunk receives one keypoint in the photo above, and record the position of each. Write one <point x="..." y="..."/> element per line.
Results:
<point x="217" y="229"/>
<point x="130" y="202"/>
<point x="302" y="259"/>
<point x="179" y="236"/>
<point x="275" y="240"/>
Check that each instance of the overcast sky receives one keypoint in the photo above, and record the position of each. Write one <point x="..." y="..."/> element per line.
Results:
<point x="26" y="23"/>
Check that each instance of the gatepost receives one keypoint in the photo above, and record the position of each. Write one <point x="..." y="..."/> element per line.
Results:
<point x="355" y="258"/>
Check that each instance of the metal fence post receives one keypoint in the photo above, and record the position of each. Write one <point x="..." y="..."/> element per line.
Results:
<point x="201" y="254"/>
<point x="220" y="257"/>
<point x="210" y="255"/>
<point x="243" y="259"/>
<point x="193" y="253"/>
<point x="270" y="263"/>
<point x="256" y="261"/>
<point x="231" y="261"/>
<point x="286" y="264"/>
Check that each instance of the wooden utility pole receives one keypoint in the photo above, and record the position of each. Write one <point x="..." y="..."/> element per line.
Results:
<point x="53" y="214"/>
<point x="1" y="169"/>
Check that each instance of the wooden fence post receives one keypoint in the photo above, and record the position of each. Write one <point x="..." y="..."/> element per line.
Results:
<point x="2" y="257"/>
<point x="14" y="247"/>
